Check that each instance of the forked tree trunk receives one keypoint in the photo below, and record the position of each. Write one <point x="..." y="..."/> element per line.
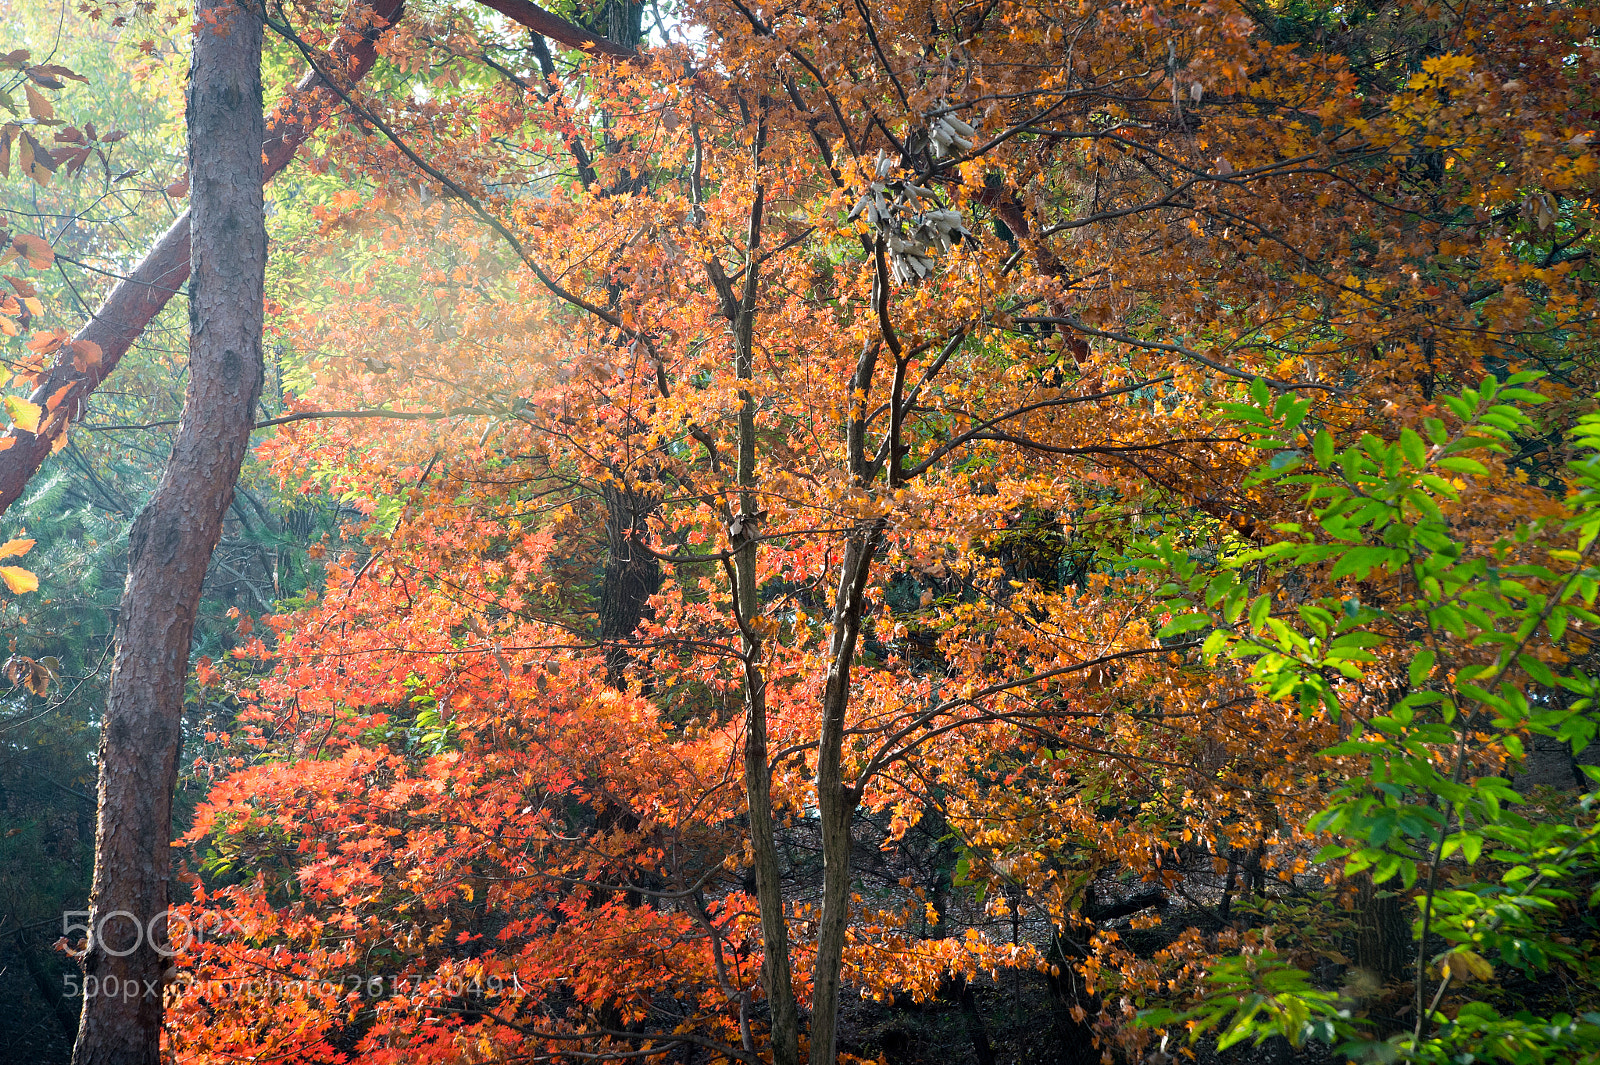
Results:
<point x="836" y="800"/>
<point x="170" y="545"/>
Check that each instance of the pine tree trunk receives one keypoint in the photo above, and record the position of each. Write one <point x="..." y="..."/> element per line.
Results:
<point x="170" y="546"/>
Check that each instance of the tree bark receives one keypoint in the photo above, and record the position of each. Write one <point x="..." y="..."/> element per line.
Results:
<point x="1383" y="932"/>
<point x="836" y="800"/>
<point x="171" y="543"/>
<point x="559" y="29"/>
<point x="135" y="301"/>
<point x="632" y="575"/>
<point x="775" y="969"/>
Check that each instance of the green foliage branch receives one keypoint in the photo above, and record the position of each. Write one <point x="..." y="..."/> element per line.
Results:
<point x="1473" y="650"/>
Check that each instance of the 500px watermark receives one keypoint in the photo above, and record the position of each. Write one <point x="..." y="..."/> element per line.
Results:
<point x="271" y="987"/>
<point x="118" y="933"/>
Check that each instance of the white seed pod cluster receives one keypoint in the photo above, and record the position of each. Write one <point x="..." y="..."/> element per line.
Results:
<point x="914" y="225"/>
<point x="948" y="131"/>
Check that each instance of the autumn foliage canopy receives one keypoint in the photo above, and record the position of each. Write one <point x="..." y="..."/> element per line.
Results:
<point x="835" y="485"/>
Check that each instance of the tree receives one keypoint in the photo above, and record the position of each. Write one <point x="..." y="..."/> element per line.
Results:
<point x="735" y="431"/>
<point x="171" y="543"/>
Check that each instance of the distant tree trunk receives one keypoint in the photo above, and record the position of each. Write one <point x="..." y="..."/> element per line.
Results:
<point x="977" y="1031"/>
<point x="955" y="988"/>
<point x="1074" y="1038"/>
<point x="1072" y="999"/>
<point x="49" y="990"/>
<point x="632" y="575"/>
<point x="1383" y="934"/>
<point x="171" y="542"/>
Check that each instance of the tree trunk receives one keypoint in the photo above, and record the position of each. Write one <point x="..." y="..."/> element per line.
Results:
<point x="1074" y="1038"/>
<point x="775" y="973"/>
<point x="170" y="545"/>
<point x="977" y="1031"/>
<point x="836" y="800"/>
<point x="742" y="534"/>
<point x="1383" y="933"/>
<point x="632" y="575"/>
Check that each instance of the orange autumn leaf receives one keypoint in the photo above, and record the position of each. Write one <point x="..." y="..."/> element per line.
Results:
<point x="85" y="353"/>
<point x="38" y="106"/>
<point x="35" y="250"/>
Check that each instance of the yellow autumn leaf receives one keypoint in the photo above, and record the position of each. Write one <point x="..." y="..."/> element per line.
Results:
<point x="1466" y="965"/>
<point x="18" y="579"/>
<point x="15" y="547"/>
<point x="24" y="414"/>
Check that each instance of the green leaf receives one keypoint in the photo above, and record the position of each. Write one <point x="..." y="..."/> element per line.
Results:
<point x="1259" y="611"/>
<point x="1537" y="670"/>
<point x="1457" y="464"/>
<point x="1322" y="447"/>
<point x="1421" y="667"/>
<point x="1415" y="451"/>
<point x="1186" y="623"/>
<point x="1361" y="561"/>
